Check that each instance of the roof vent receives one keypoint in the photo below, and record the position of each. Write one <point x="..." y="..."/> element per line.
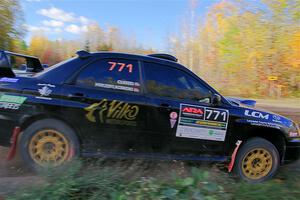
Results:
<point x="164" y="56"/>
<point x="83" y="54"/>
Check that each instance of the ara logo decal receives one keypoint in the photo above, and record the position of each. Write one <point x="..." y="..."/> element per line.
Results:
<point x="256" y="114"/>
<point x="193" y="110"/>
<point x="114" y="112"/>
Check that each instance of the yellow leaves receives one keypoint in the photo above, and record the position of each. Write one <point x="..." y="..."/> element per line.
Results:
<point x="240" y="44"/>
<point x="38" y="44"/>
<point x="294" y="57"/>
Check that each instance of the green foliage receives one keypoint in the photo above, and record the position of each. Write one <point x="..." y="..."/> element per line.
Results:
<point x="198" y="186"/>
<point x="287" y="187"/>
<point x="116" y="183"/>
<point x="75" y="184"/>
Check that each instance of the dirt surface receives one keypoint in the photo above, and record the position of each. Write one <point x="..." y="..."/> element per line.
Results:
<point x="13" y="176"/>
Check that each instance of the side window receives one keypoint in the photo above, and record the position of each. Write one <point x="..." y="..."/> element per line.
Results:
<point x="116" y="74"/>
<point x="166" y="81"/>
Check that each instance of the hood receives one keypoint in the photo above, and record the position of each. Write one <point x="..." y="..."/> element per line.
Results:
<point x="245" y="102"/>
<point x="259" y="114"/>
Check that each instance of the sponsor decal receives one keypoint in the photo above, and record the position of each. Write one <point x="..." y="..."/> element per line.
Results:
<point x="117" y="87"/>
<point x="293" y="134"/>
<point x="276" y="118"/>
<point x="10" y="106"/>
<point x="173" y="119"/>
<point x="264" y="124"/>
<point x="256" y="114"/>
<point x="211" y="132"/>
<point x="173" y="115"/>
<point x="45" y="91"/>
<point x="193" y="110"/>
<point x="197" y="112"/>
<point x="204" y="123"/>
<point x="130" y="83"/>
<point x="11" y="102"/>
<point x="9" y="80"/>
<point x="114" y="112"/>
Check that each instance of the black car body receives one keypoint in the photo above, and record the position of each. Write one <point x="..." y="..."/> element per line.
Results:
<point x="125" y="105"/>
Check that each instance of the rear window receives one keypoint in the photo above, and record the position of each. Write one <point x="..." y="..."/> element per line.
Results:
<point x="116" y="74"/>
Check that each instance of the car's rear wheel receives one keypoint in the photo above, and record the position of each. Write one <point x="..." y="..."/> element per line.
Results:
<point x="48" y="143"/>
<point x="257" y="161"/>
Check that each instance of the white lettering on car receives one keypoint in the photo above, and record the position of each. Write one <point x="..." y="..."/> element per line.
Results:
<point x="256" y="114"/>
<point x="45" y="91"/>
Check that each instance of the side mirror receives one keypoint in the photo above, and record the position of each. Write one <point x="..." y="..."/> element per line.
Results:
<point x="45" y="66"/>
<point x="216" y="100"/>
<point x="23" y="67"/>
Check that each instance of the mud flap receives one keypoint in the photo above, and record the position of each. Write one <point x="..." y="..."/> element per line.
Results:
<point x="233" y="156"/>
<point x="14" y="140"/>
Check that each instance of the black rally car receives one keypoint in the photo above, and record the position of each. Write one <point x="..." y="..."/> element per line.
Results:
<point x="124" y="105"/>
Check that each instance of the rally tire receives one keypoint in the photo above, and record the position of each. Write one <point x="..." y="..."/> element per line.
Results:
<point x="48" y="143"/>
<point x="257" y="161"/>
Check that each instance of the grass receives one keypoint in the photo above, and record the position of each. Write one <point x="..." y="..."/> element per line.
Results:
<point x="116" y="182"/>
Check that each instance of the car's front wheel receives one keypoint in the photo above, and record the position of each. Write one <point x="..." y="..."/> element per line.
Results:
<point x="257" y="161"/>
<point x="48" y="143"/>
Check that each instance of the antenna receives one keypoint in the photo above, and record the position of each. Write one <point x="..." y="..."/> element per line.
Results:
<point x="83" y="54"/>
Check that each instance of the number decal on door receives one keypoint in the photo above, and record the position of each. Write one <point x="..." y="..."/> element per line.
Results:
<point x="216" y="115"/>
<point x="120" y="66"/>
<point x="205" y="123"/>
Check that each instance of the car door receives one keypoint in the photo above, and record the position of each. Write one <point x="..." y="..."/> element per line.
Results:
<point x="182" y="117"/>
<point x="105" y="101"/>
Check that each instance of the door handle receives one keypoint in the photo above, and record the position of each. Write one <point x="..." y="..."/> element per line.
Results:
<point x="165" y="105"/>
<point x="77" y="95"/>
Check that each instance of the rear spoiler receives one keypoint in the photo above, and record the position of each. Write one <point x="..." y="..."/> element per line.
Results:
<point x="33" y="63"/>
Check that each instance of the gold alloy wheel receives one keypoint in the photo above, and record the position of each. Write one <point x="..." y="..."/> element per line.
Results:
<point x="49" y="147"/>
<point x="257" y="163"/>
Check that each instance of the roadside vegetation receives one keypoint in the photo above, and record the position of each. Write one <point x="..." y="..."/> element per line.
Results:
<point x="122" y="182"/>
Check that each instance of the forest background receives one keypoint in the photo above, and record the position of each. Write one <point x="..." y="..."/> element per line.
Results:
<point x="239" y="48"/>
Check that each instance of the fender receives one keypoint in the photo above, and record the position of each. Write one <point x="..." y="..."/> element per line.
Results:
<point x="262" y="124"/>
<point x="26" y="120"/>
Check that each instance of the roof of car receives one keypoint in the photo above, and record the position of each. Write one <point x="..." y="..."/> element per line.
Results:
<point x="159" y="57"/>
<point x="84" y="57"/>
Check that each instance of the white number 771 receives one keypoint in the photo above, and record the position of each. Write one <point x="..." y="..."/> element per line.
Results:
<point x="215" y="114"/>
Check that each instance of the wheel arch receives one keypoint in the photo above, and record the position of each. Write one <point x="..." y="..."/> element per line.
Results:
<point x="27" y="121"/>
<point x="275" y="136"/>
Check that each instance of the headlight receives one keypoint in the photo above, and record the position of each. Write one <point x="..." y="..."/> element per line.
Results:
<point x="294" y="131"/>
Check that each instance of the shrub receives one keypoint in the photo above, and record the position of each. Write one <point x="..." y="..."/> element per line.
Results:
<point x="113" y="182"/>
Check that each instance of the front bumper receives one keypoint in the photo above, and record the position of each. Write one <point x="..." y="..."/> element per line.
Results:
<point x="292" y="152"/>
